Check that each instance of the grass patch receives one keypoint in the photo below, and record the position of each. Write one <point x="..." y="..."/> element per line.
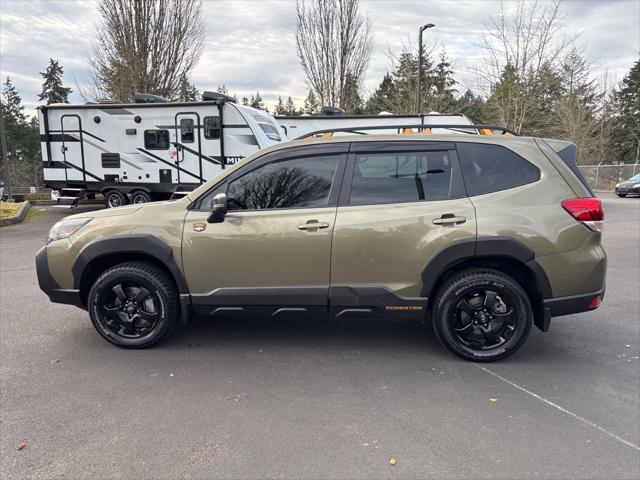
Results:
<point x="8" y="210"/>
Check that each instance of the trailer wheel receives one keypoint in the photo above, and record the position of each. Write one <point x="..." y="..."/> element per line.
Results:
<point x="115" y="198"/>
<point x="140" y="196"/>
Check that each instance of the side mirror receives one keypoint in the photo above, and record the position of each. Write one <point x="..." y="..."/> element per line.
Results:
<point x="218" y="208"/>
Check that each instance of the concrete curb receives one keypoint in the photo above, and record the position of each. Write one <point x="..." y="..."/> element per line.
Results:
<point x="19" y="217"/>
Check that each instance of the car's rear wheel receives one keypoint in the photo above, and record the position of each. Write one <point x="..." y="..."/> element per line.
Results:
<point x="134" y="305"/>
<point x="482" y="315"/>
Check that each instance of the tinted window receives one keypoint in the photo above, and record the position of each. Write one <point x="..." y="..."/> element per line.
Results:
<point x="401" y="177"/>
<point x="156" y="139"/>
<point x="186" y="130"/>
<point x="489" y="168"/>
<point x="299" y="182"/>
<point x="211" y="127"/>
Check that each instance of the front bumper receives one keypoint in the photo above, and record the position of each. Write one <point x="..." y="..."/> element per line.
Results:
<point x="49" y="286"/>
<point x="627" y="191"/>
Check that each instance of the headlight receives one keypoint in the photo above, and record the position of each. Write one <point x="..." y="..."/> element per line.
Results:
<point x="617" y="185"/>
<point x="66" y="228"/>
<point x="636" y="185"/>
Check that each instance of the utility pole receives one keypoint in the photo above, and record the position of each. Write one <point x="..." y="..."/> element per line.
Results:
<point x="5" y="157"/>
<point x="422" y="29"/>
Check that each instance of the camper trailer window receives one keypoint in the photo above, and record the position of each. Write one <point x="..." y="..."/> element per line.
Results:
<point x="156" y="139"/>
<point x="211" y="127"/>
<point x="186" y="130"/>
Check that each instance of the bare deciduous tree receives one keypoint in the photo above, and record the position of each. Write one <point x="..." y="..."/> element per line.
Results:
<point x="146" y="45"/>
<point x="333" y="41"/>
<point x="524" y="45"/>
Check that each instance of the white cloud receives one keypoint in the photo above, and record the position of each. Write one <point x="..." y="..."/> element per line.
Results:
<point x="250" y="44"/>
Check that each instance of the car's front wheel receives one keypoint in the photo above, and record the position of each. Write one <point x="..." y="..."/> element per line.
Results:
<point x="134" y="305"/>
<point x="482" y="315"/>
<point x="621" y="194"/>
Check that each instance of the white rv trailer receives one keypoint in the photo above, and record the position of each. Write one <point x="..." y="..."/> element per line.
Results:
<point x="150" y="149"/>
<point x="299" y="126"/>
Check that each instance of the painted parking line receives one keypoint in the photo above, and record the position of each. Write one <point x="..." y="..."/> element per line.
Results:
<point x="562" y="409"/>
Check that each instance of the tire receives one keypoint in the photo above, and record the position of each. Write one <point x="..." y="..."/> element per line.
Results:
<point x="115" y="198"/>
<point x="141" y="313"/>
<point x="621" y="194"/>
<point x="140" y="196"/>
<point x="482" y="315"/>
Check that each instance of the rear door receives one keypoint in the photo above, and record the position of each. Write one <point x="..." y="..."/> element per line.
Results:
<point x="72" y="148"/>
<point x="400" y="203"/>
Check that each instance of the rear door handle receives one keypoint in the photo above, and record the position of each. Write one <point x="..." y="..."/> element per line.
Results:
<point x="313" y="225"/>
<point x="449" y="220"/>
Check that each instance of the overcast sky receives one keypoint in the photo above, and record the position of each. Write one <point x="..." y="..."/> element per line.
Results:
<point x="250" y="43"/>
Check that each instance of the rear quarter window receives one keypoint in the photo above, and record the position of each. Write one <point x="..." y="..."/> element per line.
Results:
<point x="491" y="168"/>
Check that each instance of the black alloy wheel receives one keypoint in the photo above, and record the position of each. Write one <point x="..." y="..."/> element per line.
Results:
<point x="133" y="305"/>
<point x="482" y="315"/>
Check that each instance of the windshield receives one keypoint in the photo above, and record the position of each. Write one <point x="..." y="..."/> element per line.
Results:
<point x="635" y="178"/>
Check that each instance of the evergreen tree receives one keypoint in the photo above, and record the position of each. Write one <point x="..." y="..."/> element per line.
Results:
<point x="223" y="89"/>
<point x="441" y="97"/>
<point x="280" y="108"/>
<point x="351" y="100"/>
<point x="471" y="105"/>
<point x="245" y="101"/>
<point x="502" y="107"/>
<point x="256" y="102"/>
<point x="626" y="136"/>
<point x="290" y="107"/>
<point x="382" y="98"/>
<point x="311" y="104"/>
<point x="52" y="89"/>
<point x="188" y="91"/>
<point x="23" y="140"/>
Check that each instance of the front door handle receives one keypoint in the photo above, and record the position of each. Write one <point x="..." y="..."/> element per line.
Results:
<point x="449" y="220"/>
<point x="313" y="225"/>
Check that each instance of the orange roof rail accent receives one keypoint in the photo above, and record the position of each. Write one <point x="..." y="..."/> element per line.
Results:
<point x="508" y="134"/>
<point x="486" y="131"/>
<point x="407" y="131"/>
<point x="327" y="134"/>
<point x="426" y="131"/>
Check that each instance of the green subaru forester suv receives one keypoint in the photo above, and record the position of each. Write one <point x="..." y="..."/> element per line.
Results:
<point x="482" y="235"/>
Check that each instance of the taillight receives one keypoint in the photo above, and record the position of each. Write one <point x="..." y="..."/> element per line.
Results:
<point x="587" y="210"/>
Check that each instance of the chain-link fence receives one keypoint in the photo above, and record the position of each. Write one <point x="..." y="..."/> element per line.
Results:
<point x="604" y="177"/>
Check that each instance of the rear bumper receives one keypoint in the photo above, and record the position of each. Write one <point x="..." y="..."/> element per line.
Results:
<point x="559" y="306"/>
<point x="49" y="286"/>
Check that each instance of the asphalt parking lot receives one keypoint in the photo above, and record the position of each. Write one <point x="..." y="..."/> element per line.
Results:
<point x="258" y="399"/>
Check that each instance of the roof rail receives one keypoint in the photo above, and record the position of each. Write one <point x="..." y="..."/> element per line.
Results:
<point x="422" y="129"/>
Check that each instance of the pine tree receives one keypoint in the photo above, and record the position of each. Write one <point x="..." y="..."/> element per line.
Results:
<point x="351" y="100"/>
<point x="471" y="105"/>
<point x="52" y="89"/>
<point x="188" y="91"/>
<point x="441" y="97"/>
<point x="280" y="108"/>
<point x="290" y="107"/>
<point x="23" y="139"/>
<point x="311" y="104"/>
<point x="626" y="136"/>
<point x="382" y="98"/>
<point x="223" y="89"/>
<point x="256" y="102"/>
<point x="245" y="101"/>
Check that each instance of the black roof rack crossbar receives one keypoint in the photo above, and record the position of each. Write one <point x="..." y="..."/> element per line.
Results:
<point x="479" y="129"/>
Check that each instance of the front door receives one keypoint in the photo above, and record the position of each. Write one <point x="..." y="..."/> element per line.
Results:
<point x="273" y="248"/>
<point x="189" y="147"/>
<point x="71" y="148"/>
<point x="398" y="208"/>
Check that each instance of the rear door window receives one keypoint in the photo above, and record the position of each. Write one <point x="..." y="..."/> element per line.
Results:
<point x="401" y="177"/>
<point x="491" y="168"/>
<point x="186" y="130"/>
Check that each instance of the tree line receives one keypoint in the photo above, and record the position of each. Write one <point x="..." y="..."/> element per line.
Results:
<point x="531" y="79"/>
